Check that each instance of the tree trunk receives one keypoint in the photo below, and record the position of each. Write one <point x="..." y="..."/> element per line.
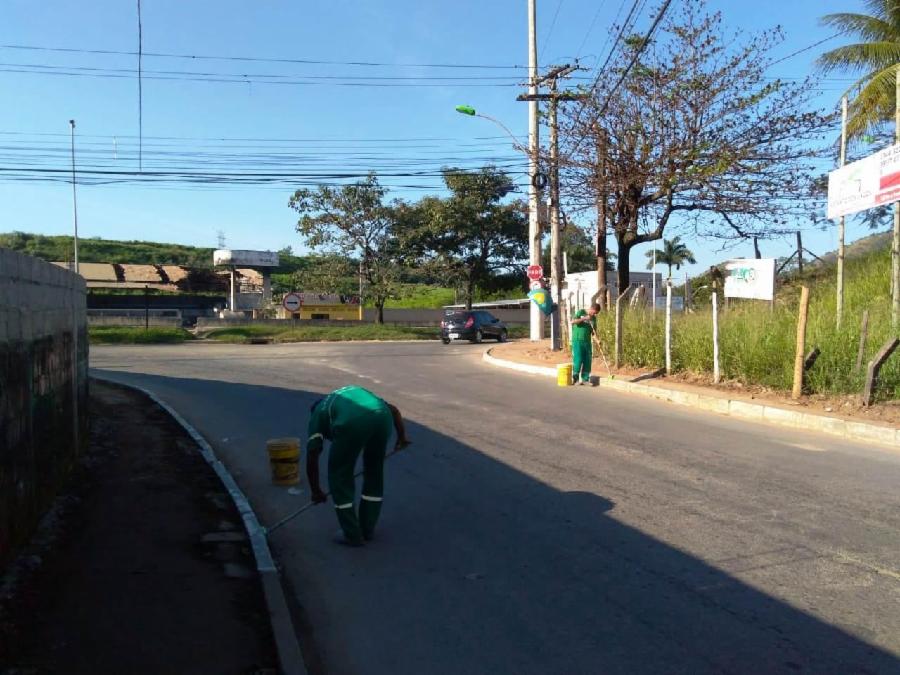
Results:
<point x="756" y="248"/>
<point x="470" y="291"/>
<point x="379" y="315"/>
<point x="623" y="267"/>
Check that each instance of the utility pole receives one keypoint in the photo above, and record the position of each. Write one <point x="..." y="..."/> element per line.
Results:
<point x="554" y="97"/>
<point x="799" y="253"/>
<point x="74" y="200"/>
<point x="840" y="255"/>
<point x="536" y="321"/>
<point x="601" y="217"/>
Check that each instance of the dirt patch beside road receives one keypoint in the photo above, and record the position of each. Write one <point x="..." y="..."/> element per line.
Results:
<point x="845" y="407"/>
<point x="144" y="568"/>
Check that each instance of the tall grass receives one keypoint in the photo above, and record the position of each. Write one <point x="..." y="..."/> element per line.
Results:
<point x="757" y="343"/>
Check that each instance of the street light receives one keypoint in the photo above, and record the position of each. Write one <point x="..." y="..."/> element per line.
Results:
<point x="74" y="202"/>
<point x="534" y="245"/>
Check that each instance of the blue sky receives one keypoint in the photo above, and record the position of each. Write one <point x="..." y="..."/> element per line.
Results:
<point x="319" y="126"/>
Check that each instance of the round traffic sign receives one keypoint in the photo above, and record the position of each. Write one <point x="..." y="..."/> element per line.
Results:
<point x="292" y="302"/>
<point x="535" y="272"/>
<point x="536" y="284"/>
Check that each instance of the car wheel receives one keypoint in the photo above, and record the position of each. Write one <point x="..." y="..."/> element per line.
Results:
<point x="478" y="337"/>
<point x="503" y="336"/>
<point x="446" y="341"/>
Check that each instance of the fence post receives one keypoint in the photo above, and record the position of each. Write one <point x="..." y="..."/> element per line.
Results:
<point x="801" y="344"/>
<point x="669" y="327"/>
<point x="863" y="336"/>
<point x="618" y="330"/>
<point x="715" y="322"/>
<point x="874" y="367"/>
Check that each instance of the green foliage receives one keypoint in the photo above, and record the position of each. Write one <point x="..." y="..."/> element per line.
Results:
<point x="873" y="54"/>
<point x="107" y="335"/>
<point x="757" y="344"/>
<point x="674" y="253"/>
<point x="468" y="238"/>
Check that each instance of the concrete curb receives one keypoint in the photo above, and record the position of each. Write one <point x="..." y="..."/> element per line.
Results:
<point x="290" y="657"/>
<point x="757" y="412"/>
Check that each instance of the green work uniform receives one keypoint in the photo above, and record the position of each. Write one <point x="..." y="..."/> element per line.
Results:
<point x="581" y="347"/>
<point x="354" y="420"/>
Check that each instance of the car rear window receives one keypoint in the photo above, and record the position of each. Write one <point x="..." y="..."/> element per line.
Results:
<point x="458" y="316"/>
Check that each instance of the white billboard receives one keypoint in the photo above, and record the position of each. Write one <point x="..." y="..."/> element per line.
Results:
<point x="752" y="278"/>
<point x="861" y="185"/>
<point x="245" y="258"/>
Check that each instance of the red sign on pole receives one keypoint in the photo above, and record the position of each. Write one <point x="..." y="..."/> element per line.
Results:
<point x="535" y="272"/>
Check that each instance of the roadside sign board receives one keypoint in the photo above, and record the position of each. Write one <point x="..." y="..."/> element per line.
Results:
<point x="536" y="284"/>
<point x="865" y="184"/>
<point x="535" y="272"/>
<point x="292" y="302"/>
<point x="752" y="278"/>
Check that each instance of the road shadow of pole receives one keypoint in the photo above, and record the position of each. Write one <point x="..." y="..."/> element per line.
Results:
<point x="481" y="568"/>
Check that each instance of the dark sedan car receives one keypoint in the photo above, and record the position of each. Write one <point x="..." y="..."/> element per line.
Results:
<point x="473" y="326"/>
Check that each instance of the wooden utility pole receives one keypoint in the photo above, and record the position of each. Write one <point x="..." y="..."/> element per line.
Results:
<point x="801" y="344"/>
<point x="840" y="255"/>
<point x="601" y="217"/>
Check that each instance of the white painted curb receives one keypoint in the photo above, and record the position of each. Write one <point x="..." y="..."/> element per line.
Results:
<point x="290" y="657"/>
<point x="757" y="412"/>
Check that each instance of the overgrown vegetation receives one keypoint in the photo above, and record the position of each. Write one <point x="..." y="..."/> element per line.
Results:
<point x="306" y="333"/>
<point x="107" y="335"/>
<point x="757" y="344"/>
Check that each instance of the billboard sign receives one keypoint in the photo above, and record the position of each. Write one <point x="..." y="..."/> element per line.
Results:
<point x="245" y="258"/>
<point x="752" y="278"/>
<point x="861" y="185"/>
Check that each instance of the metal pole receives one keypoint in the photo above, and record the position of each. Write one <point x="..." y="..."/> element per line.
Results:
<point x="233" y="308"/>
<point x="653" y="276"/>
<point x="74" y="200"/>
<point x="840" y="259"/>
<point x="715" y="323"/>
<point x="555" y="248"/>
<point x="669" y="327"/>
<point x="895" y="244"/>
<point x="534" y="195"/>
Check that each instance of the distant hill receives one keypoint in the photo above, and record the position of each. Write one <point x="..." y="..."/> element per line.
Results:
<point x="860" y="247"/>
<point x="59" y="248"/>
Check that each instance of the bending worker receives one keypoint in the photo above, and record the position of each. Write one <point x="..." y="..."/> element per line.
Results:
<point x="583" y="327"/>
<point x="354" y="420"/>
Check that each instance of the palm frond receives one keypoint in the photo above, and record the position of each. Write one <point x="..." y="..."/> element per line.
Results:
<point x="866" y="27"/>
<point x="864" y="56"/>
<point x="874" y="104"/>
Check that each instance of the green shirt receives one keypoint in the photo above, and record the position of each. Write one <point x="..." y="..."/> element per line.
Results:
<point x="340" y="409"/>
<point x="581" y="332"/>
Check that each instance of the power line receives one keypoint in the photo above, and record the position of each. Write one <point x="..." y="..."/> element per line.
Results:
<point x="590" y="29"/>
<point x="208" y="57"/>
<point x="806" y="49"/>
<point x="552" y="26"/>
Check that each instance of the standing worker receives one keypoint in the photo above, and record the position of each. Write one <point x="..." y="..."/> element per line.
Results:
<point x="584" y="324"/>
<point x="354" y="420"/>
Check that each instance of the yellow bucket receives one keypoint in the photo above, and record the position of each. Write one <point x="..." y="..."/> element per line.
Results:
<point x="284" y="458"/>
<point x="564" y="374"/>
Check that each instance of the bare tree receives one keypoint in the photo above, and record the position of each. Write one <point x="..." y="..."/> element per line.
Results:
<point x="696" y="137"/>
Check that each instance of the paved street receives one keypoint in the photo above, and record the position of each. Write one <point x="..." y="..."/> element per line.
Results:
<point x="533" y="529"/>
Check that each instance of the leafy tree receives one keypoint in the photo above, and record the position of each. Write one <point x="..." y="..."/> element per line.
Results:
<point x="698" y="132"/>
<point x="674" y="253"/>
<point x="579" y="249"/>
<point x="352" y="223"/>
<point x="875" y="57"/>
<point x="471" y="235"/>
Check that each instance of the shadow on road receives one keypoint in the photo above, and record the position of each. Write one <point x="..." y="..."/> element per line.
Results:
<point x="480" y="567"/>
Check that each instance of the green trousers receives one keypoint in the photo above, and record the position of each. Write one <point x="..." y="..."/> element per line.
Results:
<point x="369" y="435"/>
<point x="581" y="361"/>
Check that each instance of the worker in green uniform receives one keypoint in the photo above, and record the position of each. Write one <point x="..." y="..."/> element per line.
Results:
<point x="355" y="421"/>
<point x="584" y="324"/>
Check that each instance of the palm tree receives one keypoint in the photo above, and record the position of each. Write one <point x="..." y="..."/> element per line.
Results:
<point x="674" y="253"/>
<point x="875" y="57"/>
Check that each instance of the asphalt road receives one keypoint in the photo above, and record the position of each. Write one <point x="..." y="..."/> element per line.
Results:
<point x="533" y="529"/>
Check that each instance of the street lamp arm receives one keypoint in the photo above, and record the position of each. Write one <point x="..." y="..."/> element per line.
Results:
<point x="516" y="144"/>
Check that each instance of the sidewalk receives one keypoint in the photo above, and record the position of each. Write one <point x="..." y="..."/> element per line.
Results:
<point x="878" y="424"/>
<point x="146" y="569"/>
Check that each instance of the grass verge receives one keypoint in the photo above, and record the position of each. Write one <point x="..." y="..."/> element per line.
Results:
<point x="366" y="331"/>
<point x="107" y="335"/>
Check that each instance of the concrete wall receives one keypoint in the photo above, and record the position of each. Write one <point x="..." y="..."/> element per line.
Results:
<point x="43" y="388"/>
<point x="135" y="321"/>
